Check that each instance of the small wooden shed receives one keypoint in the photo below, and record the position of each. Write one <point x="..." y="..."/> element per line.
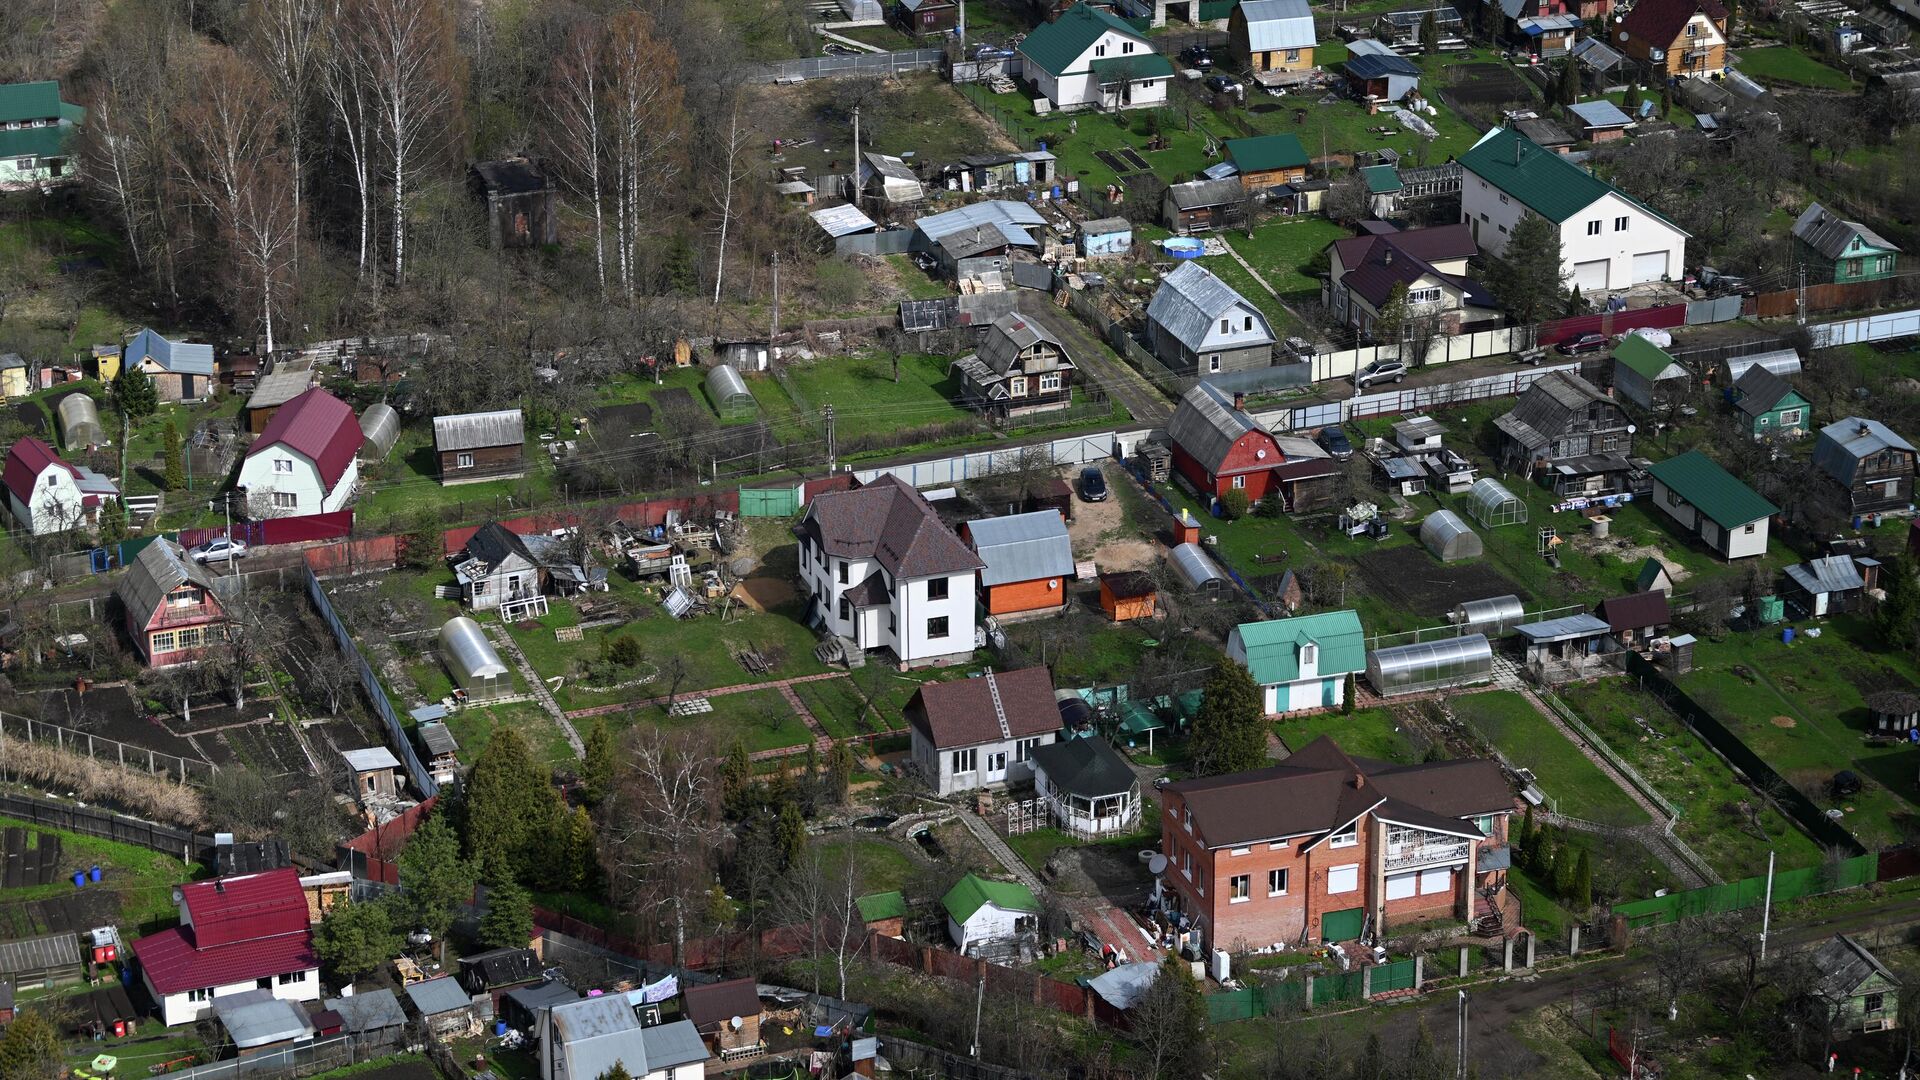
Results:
<point x="1127" y="594"/>
<point x="522" y="205"/>
<point x="726" y="1014"/>
<point x="884" y="913"/>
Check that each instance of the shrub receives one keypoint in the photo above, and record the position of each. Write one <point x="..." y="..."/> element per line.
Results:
<point x="624" y="651"/>
<point x="1234" y="504"/>
<point x="1269" y="507"/>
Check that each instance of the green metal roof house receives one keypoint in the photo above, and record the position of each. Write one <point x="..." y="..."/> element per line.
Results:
<point x="36" y="135"/>
<point x="1302" y="662"/>
<point x="1844" y="251"/>
<point x="886" y="908"/>
<point x="1090" y="58"/>
<point x="1706" y="500"/>
<point x="1770" y="405"/>
<point x="1267" y="161"/>
<point x="990" y="914"/>
<point x="1639" y="369"/>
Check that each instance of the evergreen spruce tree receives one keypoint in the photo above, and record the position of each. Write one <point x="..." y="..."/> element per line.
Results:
<point x="1230" y="732"/>
<point x="508" y="923"/>
<point x="512" y="812"/>
<point x="133" y="389"/>
<point x="175" y="478"/>
<point x="1581" y="895"/>
<point x="597" y="761"/>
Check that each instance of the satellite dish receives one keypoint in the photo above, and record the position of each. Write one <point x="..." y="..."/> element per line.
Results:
<point x="1631" y="428"/>
<point x="1157" y="865"/>
<point x="736" y="1023"/>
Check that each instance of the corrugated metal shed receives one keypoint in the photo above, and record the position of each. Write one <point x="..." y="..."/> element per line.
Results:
<point x="255" y="1018"/>
<point x="996" y="212"/>
<point x="80" y="422"/>
<point x="1835" y="573"/>
<point x="839" y="221"/>
<point x="1278" y="24"/>
<point x="379" y="430"/>
<point x="471" y="431"/>
<point x="1022" y="547"/>
<point x="372" y="759"/>
<point x="1568" y="628"/>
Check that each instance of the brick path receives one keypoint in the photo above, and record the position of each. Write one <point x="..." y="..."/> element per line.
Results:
<point x="540" y="692"/>
<point x="1098" y="914"/>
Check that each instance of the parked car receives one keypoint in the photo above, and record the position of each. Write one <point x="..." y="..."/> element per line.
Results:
<point x="1378" y="372"/>
<point x="1585" y="343"/>
<point x="1222" y="84"/>
<point x="1197" y="56"/>
<point x="1299" y="348"/>
<point x="1093" y="484"/>
<point x="219" y="550"/>
<point x="1335" y="442"/>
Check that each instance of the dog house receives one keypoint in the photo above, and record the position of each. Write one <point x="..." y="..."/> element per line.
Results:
<point x="1492" y="505"/>
<point x="1449" y="538"/>
<point x="1431" y="665"/>
<point x="472" y="662"/>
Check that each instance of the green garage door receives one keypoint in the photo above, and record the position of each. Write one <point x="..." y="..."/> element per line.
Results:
<point x="1342" y="925"/>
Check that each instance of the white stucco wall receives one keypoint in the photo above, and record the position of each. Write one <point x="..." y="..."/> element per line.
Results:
<point x="1492" y="215"/>
<point x="1077" y="88"/>
<point x="259" y="476"/>
<point x="176" y="1009"/>
<point x="990" y="923"/>
<point x="937" y="763"/>
<point x="910" y="613"/>
<point x="56" y="505"/>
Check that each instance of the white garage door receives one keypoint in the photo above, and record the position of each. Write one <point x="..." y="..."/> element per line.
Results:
<point x="1649" y="266"/>
<point x="1591" y="276"/>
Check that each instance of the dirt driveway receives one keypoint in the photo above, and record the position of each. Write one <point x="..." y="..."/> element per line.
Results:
<point x="1101" y="532"/>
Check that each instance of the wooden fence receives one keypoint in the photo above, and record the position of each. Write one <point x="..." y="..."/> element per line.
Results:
<point x="106" y="825"/>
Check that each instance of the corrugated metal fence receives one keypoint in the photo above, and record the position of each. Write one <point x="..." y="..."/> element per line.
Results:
<point x="370" y="682"/>
<point x="1893" y="324"/>
<point x="827" y="67"/>
<point x="1751" y="892"/>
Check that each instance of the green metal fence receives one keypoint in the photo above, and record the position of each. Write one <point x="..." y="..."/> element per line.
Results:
<point x="1751" y="892"/>
<point x="1249" y="1002"/>
<point x="1332" y="989"/>
<point x="769" y="502"/>
<point x="1395" y="976"/>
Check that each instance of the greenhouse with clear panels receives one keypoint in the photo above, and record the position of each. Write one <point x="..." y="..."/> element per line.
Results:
<point x="1449" y="538"/>
<point x="1492" y="505"/>
<point x="1494" y="615"/>
<point x="1431" y="665"/>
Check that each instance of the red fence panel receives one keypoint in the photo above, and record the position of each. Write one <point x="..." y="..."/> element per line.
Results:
<point x="295" y="530"/>
<point x="651" y="512"/>
<point x="1613" y="322"/>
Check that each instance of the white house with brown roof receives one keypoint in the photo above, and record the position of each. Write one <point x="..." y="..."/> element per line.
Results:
<point x="982" y="732"/>
<point x="882" y="571"/>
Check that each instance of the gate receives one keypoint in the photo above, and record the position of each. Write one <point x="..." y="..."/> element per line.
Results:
<point x="769" y="502"/>
<point x="1342" y="925"/>
<point x="1395" y="976"/>
<point x="1330" y="989"/>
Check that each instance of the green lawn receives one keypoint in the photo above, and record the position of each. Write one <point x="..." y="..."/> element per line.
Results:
<point x="474" y="725"/>
<point x="867" y="398"/>
<point x="1076" y="139"/>
<point x="1285" y="322"/>
<point x="840" y="704"/>
<point x="1573" y="784"/>
<point x="1374" y="732"/>
<point x="884" y="866"/>
<point x="1281" y="249"/>
<point x="1800" y="708"/>
<point x="1678" y="115"/>
<point x="1785" y="64"/>
<point x="142" y="879"/>
<point x="1721" y="818"/>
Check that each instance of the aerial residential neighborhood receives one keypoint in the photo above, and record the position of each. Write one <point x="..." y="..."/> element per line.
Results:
<point x="1059" y="539"/>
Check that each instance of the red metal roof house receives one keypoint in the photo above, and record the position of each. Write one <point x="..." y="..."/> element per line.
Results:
<point x="46" y="494"/>
<point x="235" y="934"/>
<point x="307" y="459"/>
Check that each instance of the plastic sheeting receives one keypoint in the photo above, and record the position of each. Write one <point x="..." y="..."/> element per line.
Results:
<point x="1449" y="538"/>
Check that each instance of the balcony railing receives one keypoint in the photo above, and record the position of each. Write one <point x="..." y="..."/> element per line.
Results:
<point x="184" y="616"/>
<point x="1425" y="852"/>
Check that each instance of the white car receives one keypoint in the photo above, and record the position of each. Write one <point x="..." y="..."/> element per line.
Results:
<point x="219" y="550"/>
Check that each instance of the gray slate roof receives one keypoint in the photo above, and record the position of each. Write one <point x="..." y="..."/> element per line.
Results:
<point x="1123" y="987"/>
<point x="673" y="1044"/>
<point x="282" y="385"/>
<point x="32" y="955"/>
<point x="257" y="1018"/>
<point x="1760" y="390"/>
<point x="1010" y="335"/>
<point x="1825" y="232"/>
<point x="844" y="220"/>
<point x="1022" y="547"/>
<point x="369" y="1010"/>
<point x="599" y="1032"/>
<point x="435" y="996"/>
<point x="1600" y="113"/>
<point x="1833" y="574"/>
<point x="1198" y="193"/>
<point x="1206" y="425"/>
<point x="437" y="737"/>
<point x="371" y="759"/>
<point x="1844" y="964"/>
<point x="1847" y="440"/>
<point x="1191" y="299"/>
<point x="1278" y="24"/>
<point x="469" y="431"/>
<point x="1547" y="406"/>
<point x="1564" y="629"/>
<point x="992" y="213"/>
<point x="160" y="568"/>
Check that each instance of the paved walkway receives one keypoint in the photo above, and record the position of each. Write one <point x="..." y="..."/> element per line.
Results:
<point x="998" y="848"/>
<point x="740" y="688"/>
<point x="540" y="692"/>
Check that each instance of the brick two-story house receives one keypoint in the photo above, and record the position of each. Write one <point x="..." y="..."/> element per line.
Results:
<point x="1322" y="846"/>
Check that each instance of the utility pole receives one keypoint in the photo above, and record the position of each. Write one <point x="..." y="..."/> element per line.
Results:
<point x="1766" y="910"/>
<point x="1800" y="302"/>
<point x="1460" y="1041"/>
<point x="773" y="323"/>
<point x="980" y="999"/>
<point x="830" y="456"/>
<point x="856" y="155"/>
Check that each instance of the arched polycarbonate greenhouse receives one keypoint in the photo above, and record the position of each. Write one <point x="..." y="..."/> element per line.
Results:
<point x="1493" y="616"/>
<point x="379" y="430"/>
<point x="1199" y="572"/>
<point x="471" y="660"/>
<point x="1449" y="538"/>
<point x="1431" y="665"/>
<point x="1492" y="505"/>
<point x="728" y="390"/>
<point x="80" y="422"/>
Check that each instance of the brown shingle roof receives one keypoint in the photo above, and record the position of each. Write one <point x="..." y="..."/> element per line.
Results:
<point x="717" y="1003"/>
<point x="1658" y="22"/>
<point x="889" y="521"/>
<point x="962" y="713"/>
<point x="1314" y="791"/>
<point x="1636" y="611"/>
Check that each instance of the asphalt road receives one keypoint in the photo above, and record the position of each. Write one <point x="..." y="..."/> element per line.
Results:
<point x="1499" y="1009"/>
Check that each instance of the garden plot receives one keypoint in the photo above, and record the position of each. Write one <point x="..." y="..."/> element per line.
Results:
<point x="1412" y="580"/>
<point x="110" y="712"/>
<point x="1575" y="784"/>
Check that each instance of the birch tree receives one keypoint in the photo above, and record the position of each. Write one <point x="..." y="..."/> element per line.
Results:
<point x="284" y="38"/>
<point x="405" y="52"/>
<point x="732" y="155"/>
<point x="226" y="128"/>
<point x="574" y="131"/>
<point x="345" y="86"/>
<point x="660" y="827"/>
<point x="644" y="107"/>
<point x="262" y="235"/>
<point x="124" y="143"/>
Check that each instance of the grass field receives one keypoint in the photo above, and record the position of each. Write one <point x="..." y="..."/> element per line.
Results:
<point x="1574" y="785"/>
<point x="1785" y="64"/>
<point x="1374" y="733"/>
<point x="866" y="397"/>
<point x="472" y="727"/>
<point x="1800" y="708"/>
<point x="884" y="866"/>
<point x="142" y="879"/>
<point x="1720" y="817"/>
<point x="1281" y="249"/>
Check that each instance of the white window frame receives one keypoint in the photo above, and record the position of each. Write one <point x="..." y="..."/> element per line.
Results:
<point x="1023" y="750"/>
<point x="1017" y="386"/>
<point x="964" y="761"/>
<point x="1620" y="223"/>
<point x="1343" y="879"/>
<point x="1593" y="227"/>
<point x="1789" y="416"/>
<point x="1050" y="381"/>
<point x="286" y="500"/>
<point x="1239" y="851"/>
<point x="1240" y="482"/>
<point x="1403" y="886"/>
<point x="1278" y="876"/>
<point x="1213" y="363"/>
<point x="462" y="460"/>
<point x="1435" y="874"/>
<point x="1348" y="837"/>
<point x="1428" y="295"/>
<point x="1240" y="889"/>
<point x="283" y="466"/>
<point x="996" y="762"/>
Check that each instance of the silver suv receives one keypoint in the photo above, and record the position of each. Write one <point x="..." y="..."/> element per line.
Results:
<point x="1378" y="372"/>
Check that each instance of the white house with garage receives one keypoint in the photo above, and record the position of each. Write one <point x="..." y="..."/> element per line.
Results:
<point x="1090" y="58"/>
<point x="1610" y="241"/>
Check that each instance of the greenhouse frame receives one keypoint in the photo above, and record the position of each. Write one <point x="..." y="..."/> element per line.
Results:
<point x="1449" y="538"/>
<point x="728" y="391"/>
<point x="1494" y="615"/>
<point x="472" y="661"/>
<point x="80" y="427"/>
<point x="1431" y="665"/>
<point x="379" y="430"/>
<point x="1492" y="505"/>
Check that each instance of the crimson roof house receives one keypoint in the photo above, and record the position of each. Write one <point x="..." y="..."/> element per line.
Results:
<point x="172" y="613"/>
<point x="1219" y="448"/>
<point x="47" y="495"/>
<point x="306" y="461"/>
<point x="235" y="934"/>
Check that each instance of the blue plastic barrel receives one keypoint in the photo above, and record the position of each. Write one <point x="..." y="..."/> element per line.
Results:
<point x="1856" y="521"/>
<point x="1786" y="636"/>
<point x="499" y="1027"/>
<point x="79" y="879"/>
<point x="93" y="874"/>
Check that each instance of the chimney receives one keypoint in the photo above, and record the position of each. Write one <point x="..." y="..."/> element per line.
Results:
<point x="1239" y="400"/>
<point x="1386" y="257"/>
<point x="1865" y="428"/>
<point x="1359" y="780"/>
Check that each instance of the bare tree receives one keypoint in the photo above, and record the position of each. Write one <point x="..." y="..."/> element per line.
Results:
<point x="252" y="629"/>
<point x="285" y="38"/>
<point x="660" y="826"/>
<point x="403" y="52"/>
<point x="644" y="116"/>
<point x="349" y="97"/>
<point x="847" y="931"/>
<point x="732" y="171"/>
<point x="574" y="131"/>
<point x="331" y="672"/>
